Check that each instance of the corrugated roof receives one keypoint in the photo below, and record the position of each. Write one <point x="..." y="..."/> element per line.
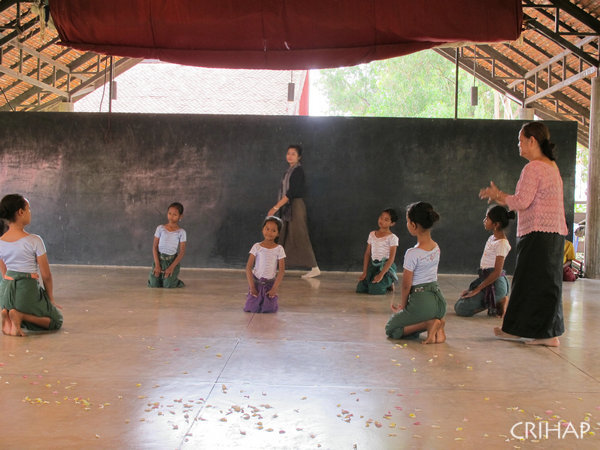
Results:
<point x="157" y="87"/>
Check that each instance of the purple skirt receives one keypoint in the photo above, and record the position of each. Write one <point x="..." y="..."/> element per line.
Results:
<point x="262" y="303"/>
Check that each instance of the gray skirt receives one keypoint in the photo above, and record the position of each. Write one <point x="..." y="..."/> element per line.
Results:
<point x="295" y="239"/>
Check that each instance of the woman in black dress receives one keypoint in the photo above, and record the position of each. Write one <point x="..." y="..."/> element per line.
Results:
<point x="291" y="207"/>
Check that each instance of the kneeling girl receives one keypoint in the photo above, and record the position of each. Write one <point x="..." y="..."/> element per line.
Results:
<point x="422" y="306"/>
<point x="23" y="301"/>
<point x="168" y="249"/>
<point x="379" y="268"/>
<point x="490" y="290"/>
<point x="265" y="269"/>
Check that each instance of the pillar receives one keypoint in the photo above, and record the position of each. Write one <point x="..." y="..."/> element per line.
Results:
<point x="65" y="107"/>
<point x="526" y="113"/>
<point x="592" y="225"/>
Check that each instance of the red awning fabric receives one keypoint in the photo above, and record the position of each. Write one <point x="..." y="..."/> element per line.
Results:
<point x="304" y="109"/>
<point x="279" y="34"/>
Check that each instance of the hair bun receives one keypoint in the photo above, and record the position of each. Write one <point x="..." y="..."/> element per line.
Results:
<point x="511" y="215"/>
<point x="422" y="213"/>
<point x="10" y="204"/>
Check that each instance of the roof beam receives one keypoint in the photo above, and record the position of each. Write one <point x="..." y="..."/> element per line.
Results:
<point x="99" y="79"/>
<point x="35" y="89"/>
<point x="495" y="54"/>
<point x="543" y="10"/>
<point x="500" y="86"/>
<point x="5" y="4"/>
<point x="26" y="58"/>
<point x="547" y="55"/>
<point x="583" y="131"/>
<point x="33" y="81"/>
<point x="480" y="74"/>
<point x="556" y="38"/>
<point x="576" y="12"/>
<point x="46" y="59"/>
<point x="15" y="34"/>
<point x="522" y="54"/>
<point x="29" y="55"/>
<point x="559" y="86"/>
<point x="553" y="60"/>
<point x="120" y="66"/>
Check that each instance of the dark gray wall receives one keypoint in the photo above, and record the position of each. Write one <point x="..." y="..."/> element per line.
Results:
<point x="100" y="184"/>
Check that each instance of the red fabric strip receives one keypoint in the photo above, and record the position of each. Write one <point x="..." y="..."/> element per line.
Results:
<point x="279" y="34"/>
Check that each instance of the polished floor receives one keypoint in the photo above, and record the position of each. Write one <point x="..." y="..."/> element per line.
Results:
<point x="135" y="367"/>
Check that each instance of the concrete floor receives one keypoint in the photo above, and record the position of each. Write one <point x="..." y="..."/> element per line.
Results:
<point x="148" y="368"/>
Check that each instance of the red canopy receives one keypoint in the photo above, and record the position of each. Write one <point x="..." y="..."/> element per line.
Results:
<point x="279" y="34"/>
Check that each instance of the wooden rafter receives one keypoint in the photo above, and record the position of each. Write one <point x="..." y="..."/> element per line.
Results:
<point x="35" y="71"/>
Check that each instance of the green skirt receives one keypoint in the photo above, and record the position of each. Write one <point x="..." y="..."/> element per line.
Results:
<point x="425" y="302"/>
<point x="161" y="281"/>
<point x="367" y="286"/>
<point x="24" y="294"/>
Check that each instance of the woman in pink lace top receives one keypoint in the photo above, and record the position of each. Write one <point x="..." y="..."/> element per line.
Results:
<point x="535" y="307"/>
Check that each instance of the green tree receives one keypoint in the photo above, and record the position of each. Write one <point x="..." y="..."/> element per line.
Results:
<point x="581" y="180"/>
<point x="416" y="85"/>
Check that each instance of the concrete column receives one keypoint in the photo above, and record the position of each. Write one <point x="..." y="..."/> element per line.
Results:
<point x="526" y="113"/>
<point x="592" y="220"/>
<point x="65" y="107"/>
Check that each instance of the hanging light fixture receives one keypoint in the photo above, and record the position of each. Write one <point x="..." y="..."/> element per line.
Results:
<point x="474" y="93"/>
<point x="291" y="87"/>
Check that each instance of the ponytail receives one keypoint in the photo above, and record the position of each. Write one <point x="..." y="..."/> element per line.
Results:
<point x="499" y="214"/>
<point x="548" y="149"/>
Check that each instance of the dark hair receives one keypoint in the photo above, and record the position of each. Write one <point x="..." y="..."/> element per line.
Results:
<point x="9" y="206"/>
<point x="274" y="219"/>
<point x="499" y="214"/>
<point x="422" y="213"/>
<point x="393" y="214"/>
<point x="542" y="135"/>
<point x="296" y="147"/>
<point x="177" y="205"/>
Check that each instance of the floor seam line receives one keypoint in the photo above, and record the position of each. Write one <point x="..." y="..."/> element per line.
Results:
<point x="575" y="366"/>
<point x="214" y="384"/>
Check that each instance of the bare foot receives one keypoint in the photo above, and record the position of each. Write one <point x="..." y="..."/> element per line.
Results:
<point x="501" y="307"/>
<point x="501" y="334"/>
<point x="440" y="336"/>
<point x="16" y="318"/>
<point x="432" y="328"/>
<point x="550" y="342"/>
<point x="6" y="323"/>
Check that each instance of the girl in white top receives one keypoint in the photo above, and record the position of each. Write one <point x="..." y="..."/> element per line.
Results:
<point x="24" y="303"/>
<point x="379" y="269"/>
<point x="168" y="250"/>
<point x="422" y="306"/>
<point x="265" y="269"/>
<point x="489" y="291"/>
